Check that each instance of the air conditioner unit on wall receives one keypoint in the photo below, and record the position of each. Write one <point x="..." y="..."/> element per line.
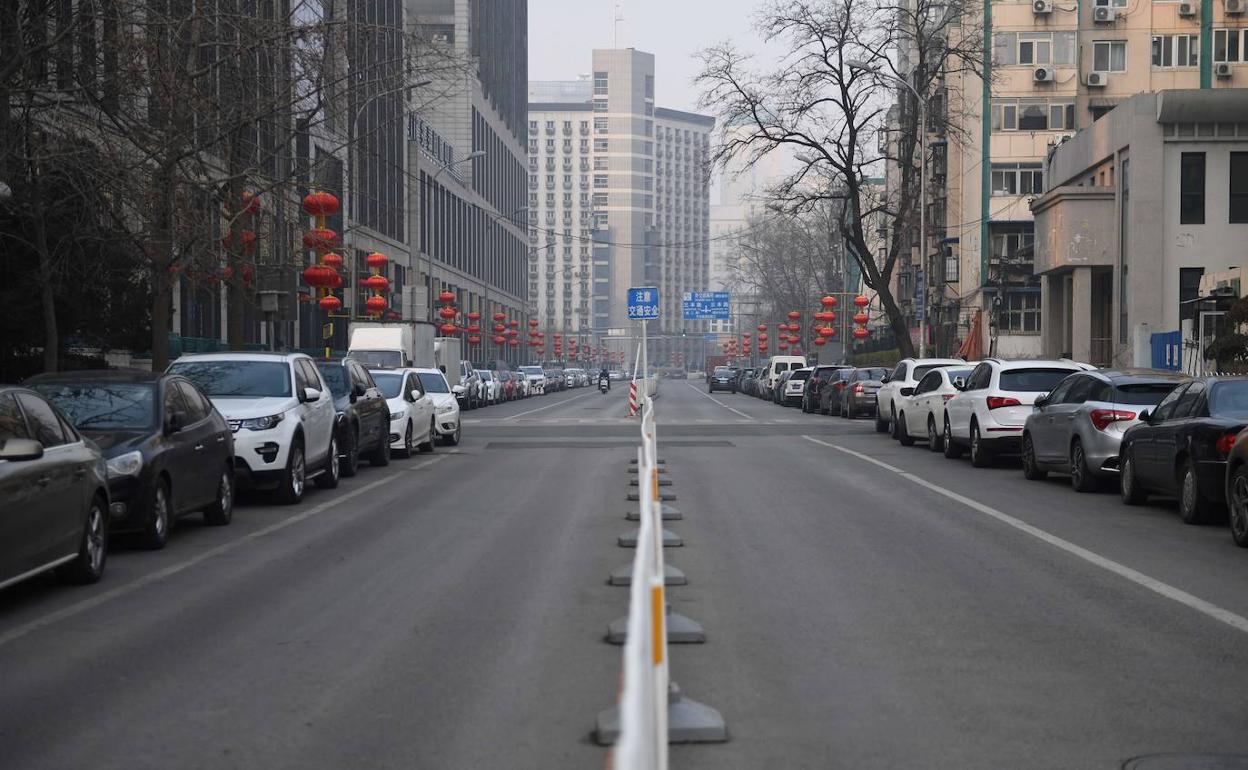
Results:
<point x="1233" y="6"/>
<point x="1042" y="75"/>
<point x="1187" y="9"/>
<point x="1222" y="69"/>
<point x="1105" y="15"/>
<point x="1097" y="79"/>
<point x="1042" y="6"/>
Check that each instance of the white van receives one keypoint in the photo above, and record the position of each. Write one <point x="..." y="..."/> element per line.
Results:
<point x="778" y="365"/>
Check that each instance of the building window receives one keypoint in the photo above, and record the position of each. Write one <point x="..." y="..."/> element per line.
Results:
<point x="1012" y="248"/>
<point x="1035" y="48"/>
<point x="1175" y="50"/>
<point x="1111" y="3"/>
<point x="600" y="84"/>
<point x="600" y="181"/>
<point x="1017" y="179"/>
<point x="1109" y="56"/>
<point x="1033" y="115"/>
<point x="600" y="125"/>
<point x="1239" y="188"/>
<point x="600" y="163"/>
<point x="1192" y="188"/>
<point x="1020" y="312"/>
<point x="600" y="199"/>
<point x="649" y="87"/>
<point x="1226" y="45"/>
<point x="600" y="145"/>
<point x="952" y="264"/>
<point x="600" y="105"/>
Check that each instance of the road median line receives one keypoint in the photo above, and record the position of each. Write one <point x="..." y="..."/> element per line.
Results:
<point x="1208" y="609"/>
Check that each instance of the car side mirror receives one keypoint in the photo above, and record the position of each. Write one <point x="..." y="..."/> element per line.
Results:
<point x="174" y="423"/>
<point x="959" y="383"/>
<point x="907" y="391"/>
<point x="20" y="450"/>
<point x="309" y="395"/>
<point x="1041" y="401"/>
<point x="1146" y="416"/>
<point x="886" y="379"/>
<point x="356" y="391"/>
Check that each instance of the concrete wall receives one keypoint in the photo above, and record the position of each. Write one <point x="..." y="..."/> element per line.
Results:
<point x="1076" y="226"/>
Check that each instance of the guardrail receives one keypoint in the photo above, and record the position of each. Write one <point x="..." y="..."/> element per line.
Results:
<point x="652" y="712"/>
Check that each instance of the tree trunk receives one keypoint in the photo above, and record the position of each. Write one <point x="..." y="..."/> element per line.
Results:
<point x="897" y="323"/>
<point x="47" y="296"/>
<point x="162" y="260"/>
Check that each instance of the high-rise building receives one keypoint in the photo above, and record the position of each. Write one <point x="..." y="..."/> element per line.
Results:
<point x="618" y="196"/>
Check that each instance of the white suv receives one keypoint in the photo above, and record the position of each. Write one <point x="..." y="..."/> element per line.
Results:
<point x="903" y="378"/>
<point x="281" y="413"/>
<point x="989" y="412"/>
<point x="536" y="377"/>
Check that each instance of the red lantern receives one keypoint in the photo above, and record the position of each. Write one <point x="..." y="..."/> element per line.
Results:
<point x="318" y="276"/>
<point x="829" y="301"/>
<point x="332" y="260"/>
<point x="447" y="312"/>
<point x="474" y="329"/>
<point x="330" y="303"/>
<point x="376" y="283"/>
<point x="794" y="315"/>
<point x="474" y="316"/>
<point x="251" y="203"/>
<point x="762" y="348"/>
<point x="861" y="318"/>
<point x="861" y="301"/>
<point x="303" y="296"/>
<point x="794" y="339"/>
<point x="375" y="304"/>
<point x="826" y="331"/>
<point x="513" y="323"/>
<point x="376" y="260"/>
<point x="782" y="347"/>
<point x="762" y="337"/>
<point x="335" y="281"/>
<point x="500" y="316"/>
<point x="513" y="341"/>
<point x="499" y="339"/>
<point x="248" y="239"/>
<point x="499" y="328"/>
<point x="320" y="204"/>
<point x="532" y="323"/>
<point x="746" y="335"/>
<point x="512" y="333"/>
<point x="227" y="273"/>
<point x="861" y="334"/>
<point x="446" y="297"/>
<point x="474" y="340"/>
<point x="319" y="238"/>
<point x="448" y="329"/>
<point x="821" y="341"/>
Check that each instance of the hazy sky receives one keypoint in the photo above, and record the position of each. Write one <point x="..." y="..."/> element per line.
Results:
<point x="562" y="33"/>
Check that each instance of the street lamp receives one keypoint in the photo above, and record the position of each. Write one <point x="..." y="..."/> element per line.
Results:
<point x="874" y="69"/>
<point x="445" y="166"/>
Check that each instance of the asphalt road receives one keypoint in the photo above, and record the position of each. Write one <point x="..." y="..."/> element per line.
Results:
<point x="866" y="605"/>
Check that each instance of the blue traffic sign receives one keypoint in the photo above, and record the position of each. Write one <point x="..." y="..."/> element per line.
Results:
<point x="643" y="303"/>
<point x="706" y="305"/>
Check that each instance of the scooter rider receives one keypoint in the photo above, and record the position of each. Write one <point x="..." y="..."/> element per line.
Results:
<point x="603" y="375"/>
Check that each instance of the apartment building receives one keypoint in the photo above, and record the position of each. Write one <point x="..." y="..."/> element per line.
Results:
<point x="1054" y="69"/>
<point x="618" y="197"/>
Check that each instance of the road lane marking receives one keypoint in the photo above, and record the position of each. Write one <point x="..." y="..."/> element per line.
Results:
<point x="155" y="577"/>
<point x="548" y="406"/>
<point x="1220" y="614"/>
<point x="721" y="403"/>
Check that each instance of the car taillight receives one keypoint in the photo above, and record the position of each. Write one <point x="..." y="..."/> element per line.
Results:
<point x="947" y="396"/>
<point x="1101" y="418"/>
<point x="996" y="402"/>
<point x="1226" y="443"/>
<point x="859" y="389"/>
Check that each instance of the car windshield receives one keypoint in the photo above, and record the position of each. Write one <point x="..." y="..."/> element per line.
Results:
<point x="243" y="379"/>
<point x="722" y="371"/>
<point x="1036" y="380"/>
<point x="1229" y="398"/>
<point x="98" y="406"/>
<point x="533" y="371"/>
<point x="377" y="358"/>
<point x="1143" y="393"/>
<point x="800" y="374"/>
<point x="388" y="382"/>
<point x="919" y="371"/>
<point x="433" y="383"/>
<point x="869" y="374"/>
<point x="336" y="377"/>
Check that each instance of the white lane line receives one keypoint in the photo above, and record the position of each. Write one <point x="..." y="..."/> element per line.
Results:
<point x="721" y="403"/>
<point x="549" y="406"/>
<point x="1220" y="614"/>
<point x="155" y="577"/>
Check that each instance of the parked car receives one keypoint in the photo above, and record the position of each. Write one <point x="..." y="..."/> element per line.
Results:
<point x="906" y="374"/>
<point x="53" y="494"/>
<point x="722" y="378"/>
<point x="467" y="388"/>
<point x="491" y="387"/>
<point x="445" y="410"/>
<point x="536" y="377"/>
<point x="363" y="416"/>
<point x="921" y="412"/>
<point x="830" y="393"/>
<point x="795" y="386"/>
<point x="858" y="392"/>
<point x="988" y="414"/>
<point x="1181" y="447"/>
<point x="169" y="453"/>
<point x="776" y="365"/>
<point x="777" y="390"/>
<point x="281" y="413"/>
<point x="814" y="385"/>
<point x="412" y="425"/>
<point x="1078" y="427"/>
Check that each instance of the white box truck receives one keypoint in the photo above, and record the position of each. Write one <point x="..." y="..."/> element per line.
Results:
<point x="392" y="344"/>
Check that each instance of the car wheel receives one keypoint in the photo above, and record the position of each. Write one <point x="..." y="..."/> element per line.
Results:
<point x="1031" y="469"/>
<point x="903" y="431"/>
<point x="380" y="456"/>
<point x="427" y="446"/>
<point x="892" y="422"/>
<point x="88" y="566"/>
<point x="1081" y="479"/>
<point x="333" y="467"/>
<point x="951" y="450"/>
<point x="351" y="457"/>
<point x="453" y="439"/>
<point x="1193" y="507"/>
<point x="935" y="442"/>
<point x="1128" y="485"/>
<point x="881" y="426"/>
<point x="407" y="440"/>
<point x="221" y="511"/>
<point x="155" y="534"/>
<point x="980" y="456"/>
<point x="1239" y="506"/>
<point x="294" y="478"/>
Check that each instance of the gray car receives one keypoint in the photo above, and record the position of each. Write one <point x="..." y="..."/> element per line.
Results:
<point x="1077" y="428"/>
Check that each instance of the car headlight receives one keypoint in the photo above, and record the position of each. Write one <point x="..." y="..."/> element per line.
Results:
<point x="262" y="423"/>
<point x="128" y="464"/>
<point x="446" y="408"/>
<point x="396" y="416"/>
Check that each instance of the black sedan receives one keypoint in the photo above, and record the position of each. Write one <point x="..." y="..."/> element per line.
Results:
<point x="723" y="378"/>
<point x="53" y="494"/>
<point x="169" y="452"/>
<point x="830" y="393"/>
<point x="363" y="415"/>
<point x="1181" y="447"/>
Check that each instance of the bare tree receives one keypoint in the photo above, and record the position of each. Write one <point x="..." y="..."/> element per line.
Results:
<point x="826" y="101"/>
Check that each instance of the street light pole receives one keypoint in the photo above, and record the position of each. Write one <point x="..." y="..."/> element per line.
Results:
<point x="445" y="166"/>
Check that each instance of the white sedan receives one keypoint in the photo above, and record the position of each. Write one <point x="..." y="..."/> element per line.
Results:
<point x="921" y="413"/>
<point x="445" y="407"/>
<point x="412" y="410"/>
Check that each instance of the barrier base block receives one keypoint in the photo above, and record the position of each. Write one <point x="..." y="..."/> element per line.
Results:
<point x="633" y="497"/>
<point x="687" y="722"/>
<point x="637" y="482"/>
<point x="668" y="512"/>
<point x="633" y="469"/>
<point x="672" y="576"/>
<point x="660" y="461"/>
<point x="680" y="630"/>
<point x="670" y="539"/>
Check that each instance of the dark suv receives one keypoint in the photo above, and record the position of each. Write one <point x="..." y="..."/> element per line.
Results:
<point x="363" y="422"/>
<point x="722" y="378"/>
